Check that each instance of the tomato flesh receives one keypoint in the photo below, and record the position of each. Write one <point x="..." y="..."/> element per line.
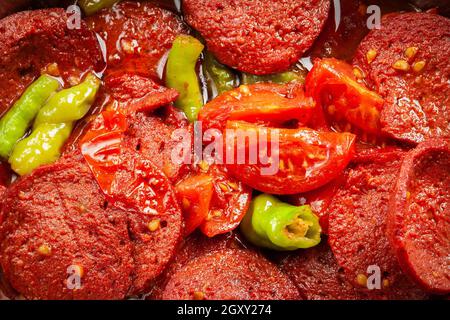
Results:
<point x="195" y="193"/>
<point x="335" y="88"/>
<point x="213" y="201"/>
<point x="271" y="104"/>
<point x="303" y="160"/>
<point x="229" y="204"/>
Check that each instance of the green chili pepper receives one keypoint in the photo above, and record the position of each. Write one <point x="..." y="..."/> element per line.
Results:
<point x="276" y="225"/>
<point x="92" y="6"/>
<point x="220" y="76"/>
<point x="43" y="146"/>
<point x="53" y="126"/>
<point x="297" y="74"/>
<point x="182" y="76"/>
<point x="70" y="104"/>
<point x="16" y="121"/>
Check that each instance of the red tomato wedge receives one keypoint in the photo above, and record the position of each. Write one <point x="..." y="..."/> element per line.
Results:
<point x="128" y="179"/>
<point x="286" y="161"/>
<point x="101" y="146"/>
<point x="333" y="85"/>
<point x="271" y="104"/>
<point x="195" y="193"/>
<point x="213" y="201"/>
<point x="230" y="202"/>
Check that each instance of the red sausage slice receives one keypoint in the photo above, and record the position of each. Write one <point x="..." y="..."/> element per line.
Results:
<point x="151" y="135"/>
<point x="32" y="40"/>
<point x="406" y="61"/>
<point x="259" y="37"/>
<point x="137" y="35"/>
<point x="357" y="223"/>
<point x="317" y="275"/>
<point x="135" y="93"/>
<point x="56" y="218"/>
<point x="419" y="215"/>
<point x="229" y="274"/>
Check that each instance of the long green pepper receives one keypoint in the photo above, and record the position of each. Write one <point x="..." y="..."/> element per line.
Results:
<point x="276" y="225"/>
<point x="15" y="123"/>
<point x="53" y="126"/>
<point x="181" y="74"/>
<point x="222" y="77"/>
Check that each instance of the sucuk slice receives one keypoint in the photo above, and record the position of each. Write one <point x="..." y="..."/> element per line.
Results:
<point x="94" y="231"/>
<point x="357" y="224"/>
<point x="151" y="135"/>
<point x="406" y="62"/>
<point x="229" y="274"/>
<point x="136" y="93"/>
<point x="137" y="35"/>
<point x="56" y="218"/>
<point x="319" y="199"/>
<point x="317" y="275"/>
<point x="258" y="37"/>
<point x="195" y="245"/>
<point x="155" y="221"/>
<point x="30" y="41"/>
<point x="419" y="215"/>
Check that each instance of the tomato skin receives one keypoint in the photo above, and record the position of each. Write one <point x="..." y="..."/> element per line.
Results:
<point x="343" y="99"/>
<point x="271" y="104"/>
<point x="101" y="146"/>
<point x="307" y="160"/>
<point x="231" y="198"/>
<point x="128" y="179"/>
<point x="213" y="201"/>
<point x="195" y="193"/>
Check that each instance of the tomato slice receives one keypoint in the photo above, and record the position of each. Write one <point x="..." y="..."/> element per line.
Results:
<point x="286" y="161"/>
<point x="229" y="204"/>
<point x="272" y="104"/>
<point x="213" y="201"/>
<point x="195" y="194"/>
<point x="333" y="85"/>
<point x="101" y="146"/>
<point x="128" y="179"/>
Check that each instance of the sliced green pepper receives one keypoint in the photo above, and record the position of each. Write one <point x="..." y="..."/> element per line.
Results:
<point x="53" y="126"/>
<point x="181" y="74"/>
<point x="43" y="146"/>
<point x="276" y="225"/>
<point x="221" y="77"/>
<point x="92" y="6"/>
<point x="70" y="104"/>
<point x="16" y="121"/>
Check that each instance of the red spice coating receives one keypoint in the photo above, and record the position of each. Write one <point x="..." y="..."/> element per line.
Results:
<point x="31" y="40"/>
<point x="229" y="274"/>
<point x="139" y="184"/>
<point x="60" y="206"/>
<point x="259" y="37"/>
<point x="137" y="35"/>
<point x="357" y="222"/>
<point x="318" y="276"/>
<point x="133" y="92"/>
<point x="419" y="215"/>
<point x="151" y="134"/>
<point x="416" y="106"/>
